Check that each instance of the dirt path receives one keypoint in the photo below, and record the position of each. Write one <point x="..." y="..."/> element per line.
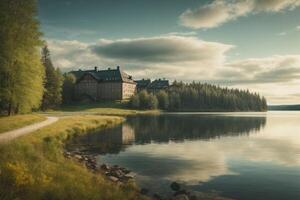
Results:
<point x="10" y="135"/>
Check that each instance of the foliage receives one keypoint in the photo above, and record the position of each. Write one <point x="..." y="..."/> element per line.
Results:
<point x="144" y="100"/>
<point x="163" y="100"/>
<point x="135" y="102"/>
<point x="68" y="88"/>
<point x="18" y="121"/>
<point x="52" y="97"/>
<point x="203" y="97"/>
<point x="152" y="102"/>
<point x="21" y="72"/>
<point x="33" y="167"/>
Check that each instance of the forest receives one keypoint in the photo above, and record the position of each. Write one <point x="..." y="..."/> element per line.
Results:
<point x="199" y="97"/>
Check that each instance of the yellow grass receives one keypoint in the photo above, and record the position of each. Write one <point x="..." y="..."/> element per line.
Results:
<point x="33" y="166"/>
<point x="18" y="121"/>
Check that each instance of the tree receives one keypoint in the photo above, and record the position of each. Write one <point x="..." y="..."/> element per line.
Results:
<point x="52" y="97"/>
<point x="143" y="97"/>
<point x="21" y="72"/>
<point x="68" y="88"/>
<point x="163" y="100"/>
<point x="152" y="102"/>
<point x="134" y="101"/>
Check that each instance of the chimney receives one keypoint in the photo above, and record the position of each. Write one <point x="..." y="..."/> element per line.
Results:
<point x="95" y="68"/>
<point x="108" y="68"/>
<point x="118" y="67"/>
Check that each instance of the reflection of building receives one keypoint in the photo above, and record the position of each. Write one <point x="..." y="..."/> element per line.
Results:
<point x="110" y="84"/>
<point x="128" y="135"/>
<point x="154" y="86"/>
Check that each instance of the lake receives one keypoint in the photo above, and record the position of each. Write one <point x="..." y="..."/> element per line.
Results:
<point x="251" y="156"/>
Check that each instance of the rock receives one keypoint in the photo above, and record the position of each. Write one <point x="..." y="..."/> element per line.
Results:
<point x="180" y="192"/>
<point x="129" y="175"/>
<point x="181" y="197"/>
<point x="144" y="191"/>
<point x="175" y="186"/>
<point x="116" y="166"/>
<point x="126" y="171"/>
<point x="157" y="197"/>
<point x="79" y="157"/>
<point x="105" y="167"/>
<point x="193" y="197"/>
<point x="113" y="178"/>
<point x="117" y="173"/>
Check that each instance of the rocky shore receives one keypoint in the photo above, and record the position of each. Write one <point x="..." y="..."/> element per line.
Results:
<point x="114" y="173"/>
<point x="121" y="175"/>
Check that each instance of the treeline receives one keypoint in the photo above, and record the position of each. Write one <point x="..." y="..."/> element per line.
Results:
<point x="28" y="79"/>
<point x="199" y="97"/>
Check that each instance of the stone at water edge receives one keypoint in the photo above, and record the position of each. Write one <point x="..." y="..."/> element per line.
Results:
<point x="175" y="186"/>
<point x="157" y="197"/>
<point x="79" y="157"/>
<point x="181" y="197"/>
<point x="144" y="191"/>
<point x="112" y="178"/>
<point x="130" y="175"/>
<point x="180" y="192"/>
<point x="104" y="167"/>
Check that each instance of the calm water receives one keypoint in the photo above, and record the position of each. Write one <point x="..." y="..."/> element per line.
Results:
<point x="241" y="155"/>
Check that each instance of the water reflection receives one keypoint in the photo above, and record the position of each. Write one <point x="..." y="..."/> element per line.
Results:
<point x="238" y="155"/>
<point x="166" y="128"/>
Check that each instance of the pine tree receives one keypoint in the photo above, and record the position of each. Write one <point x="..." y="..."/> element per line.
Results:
<point x="68" y="88"/>
<point x="53" y="82"/>
<point x="21" y="72"/>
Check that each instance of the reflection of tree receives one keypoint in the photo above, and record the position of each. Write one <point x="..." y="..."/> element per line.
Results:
<point x="163" y="128"/>
<point x="106" y="141"/>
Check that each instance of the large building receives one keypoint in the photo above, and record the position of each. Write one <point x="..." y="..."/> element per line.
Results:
<point x="109" y="84"/>
<point x="152" y="86"/>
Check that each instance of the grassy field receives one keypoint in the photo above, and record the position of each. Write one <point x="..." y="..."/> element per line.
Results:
<point x="18" y="121"/>
<point x="33" y="166"/>
<point x="116" y="108"/>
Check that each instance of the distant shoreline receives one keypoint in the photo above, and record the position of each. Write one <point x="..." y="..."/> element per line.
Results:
<point x="285" y="107"/>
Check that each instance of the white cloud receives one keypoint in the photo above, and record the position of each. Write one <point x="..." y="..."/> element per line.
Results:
<point x="171" y="56"/>
<point x="274" y="69"/>
<point x="298" y="28"/>
<point x="282" y="33"/>
<point x="221" y="11"/>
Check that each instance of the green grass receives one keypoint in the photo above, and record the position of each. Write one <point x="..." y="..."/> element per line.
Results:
<point x="115" y="108"/>
<point x="18" y="121"/>
<point x="33" y="166"/>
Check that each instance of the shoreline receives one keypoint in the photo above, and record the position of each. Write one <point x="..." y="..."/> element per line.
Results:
<point x="34" y="167"/>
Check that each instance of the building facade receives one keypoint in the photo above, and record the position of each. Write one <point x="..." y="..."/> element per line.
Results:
<point x="109" y="84"/>
<point x="152" y="86"/>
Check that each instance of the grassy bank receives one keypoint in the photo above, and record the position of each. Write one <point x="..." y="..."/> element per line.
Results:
<point x="33" y="166"/>
<point x="18" y="121"/>
<point x="116" y="108"/>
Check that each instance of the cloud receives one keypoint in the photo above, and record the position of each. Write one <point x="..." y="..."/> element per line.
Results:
<point x="163" y="49"/>
<point x="282" y="33"/>
<point x="274" y="69"/>
<point x="221" y="11"/>
<point x="181" y="56"/>
<point x="298" y="28"/>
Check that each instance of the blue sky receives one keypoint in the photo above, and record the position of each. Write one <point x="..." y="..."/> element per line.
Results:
<point x="246" y="44"/>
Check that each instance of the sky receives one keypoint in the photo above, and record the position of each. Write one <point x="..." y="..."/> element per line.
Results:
<point x="246" y="44"/>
